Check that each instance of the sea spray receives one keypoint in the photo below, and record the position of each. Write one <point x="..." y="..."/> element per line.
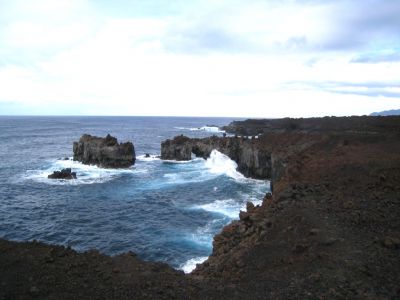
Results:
<point x="86" y="174"/>
<point x="219" y="163"/>
<point x="190" y="265"/>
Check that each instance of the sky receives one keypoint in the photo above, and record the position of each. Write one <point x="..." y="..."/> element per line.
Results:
<point x="237" y="58"/>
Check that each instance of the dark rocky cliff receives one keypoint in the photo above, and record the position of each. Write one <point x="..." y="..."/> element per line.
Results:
<point x="331" y="228"/>
<point x="339" y="125"/>
<point x="252" y="160"/>
<point x="104" y="152"/>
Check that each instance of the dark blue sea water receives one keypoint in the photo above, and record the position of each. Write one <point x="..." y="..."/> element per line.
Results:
<point x="163" y="211"/>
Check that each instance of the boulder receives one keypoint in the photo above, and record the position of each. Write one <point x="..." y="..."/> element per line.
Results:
<point x="63" y="174"/>
<point x="104" y="152"/>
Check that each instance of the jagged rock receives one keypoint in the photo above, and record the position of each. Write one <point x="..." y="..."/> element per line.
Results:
<point x="104" y="152"/>
<point x="63" y="174"/>
<point x="177" y="149"/>
<point x="252" y="161"/>
<point x="249" y="207"/>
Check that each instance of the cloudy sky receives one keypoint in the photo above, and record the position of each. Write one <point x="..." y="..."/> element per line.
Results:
<point x="250" y="58"/>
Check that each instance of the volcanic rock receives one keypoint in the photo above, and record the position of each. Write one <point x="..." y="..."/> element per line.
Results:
<point x="63" y="174"/>
<point x="252" y="160"/>
<point x="104" y="152"/>
<point x="177" y="149"/>
<point x="253" y="127"/>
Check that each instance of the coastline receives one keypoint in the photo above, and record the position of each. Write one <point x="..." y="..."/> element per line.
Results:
<point x="329" y="230"/>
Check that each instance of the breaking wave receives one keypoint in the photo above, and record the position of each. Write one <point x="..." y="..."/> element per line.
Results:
<point x="190" y="265"/>
<point x="86" y="174"/>
<point x="213" y="129"/>
<point x="219" y="164"/>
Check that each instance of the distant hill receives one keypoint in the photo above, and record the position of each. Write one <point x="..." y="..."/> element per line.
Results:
<point x="392" y="112"/>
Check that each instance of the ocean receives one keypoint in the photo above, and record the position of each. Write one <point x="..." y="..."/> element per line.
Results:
<point x="162" y="210"/>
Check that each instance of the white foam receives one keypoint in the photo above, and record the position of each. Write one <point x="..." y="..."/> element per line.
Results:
<point x="228" y="207"/>
<point x="182" y="161"/>
<point x="183" y="177"/>
<point x="204" y="235"/>
<point x="150" y="158"/>
<point x="198" y="170"/>
<point x="86" y="174"/>
<point x="213" y="129"/>
<point x="219" y="164"/>
<point x="190" y="265"/>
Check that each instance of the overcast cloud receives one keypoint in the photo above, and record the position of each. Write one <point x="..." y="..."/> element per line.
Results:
<point x="206" y="58"/>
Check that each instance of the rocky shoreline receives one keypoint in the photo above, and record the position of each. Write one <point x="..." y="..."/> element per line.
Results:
<point x="330" y="230"/>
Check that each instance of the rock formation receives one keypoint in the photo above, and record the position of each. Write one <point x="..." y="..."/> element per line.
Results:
<point x="63" y="174"/>
<point x="177" y="149"/>
<point x="252" y="160"/>
<point x="104" y="152"/>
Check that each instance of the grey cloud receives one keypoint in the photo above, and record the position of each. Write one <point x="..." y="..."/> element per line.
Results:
<point x="360" y="23"/>
<point x="205" y="39"/>
<point x="296" y="42"/>
<point x="350" y="25"/>
<point x="370" y="89"/>
<point x="376" y="58"/>
<point x="371" y="93"/>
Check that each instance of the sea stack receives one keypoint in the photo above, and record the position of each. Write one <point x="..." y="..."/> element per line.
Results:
<point x="104" y="152"/>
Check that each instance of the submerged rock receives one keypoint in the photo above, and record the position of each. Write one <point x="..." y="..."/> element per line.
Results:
<point x="104" y="152"/>
<point x="63" y="174"/>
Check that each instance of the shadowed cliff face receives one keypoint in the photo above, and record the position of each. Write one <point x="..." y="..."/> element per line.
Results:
<point x="104" y="152"/>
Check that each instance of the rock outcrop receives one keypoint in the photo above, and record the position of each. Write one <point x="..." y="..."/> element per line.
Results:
<point x="252" y="160"/>
<point x="104" y="152"/>
<point x="63" y="174"/>
<point x="177" y="149"/>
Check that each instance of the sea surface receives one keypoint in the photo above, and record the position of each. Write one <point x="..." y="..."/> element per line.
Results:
<point x="162" y="210"/>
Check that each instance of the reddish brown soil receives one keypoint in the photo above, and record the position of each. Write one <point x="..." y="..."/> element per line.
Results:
<point x="330" y="231"/>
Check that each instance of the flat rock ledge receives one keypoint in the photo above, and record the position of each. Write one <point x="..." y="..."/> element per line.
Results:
<point x="104" y="152"/>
